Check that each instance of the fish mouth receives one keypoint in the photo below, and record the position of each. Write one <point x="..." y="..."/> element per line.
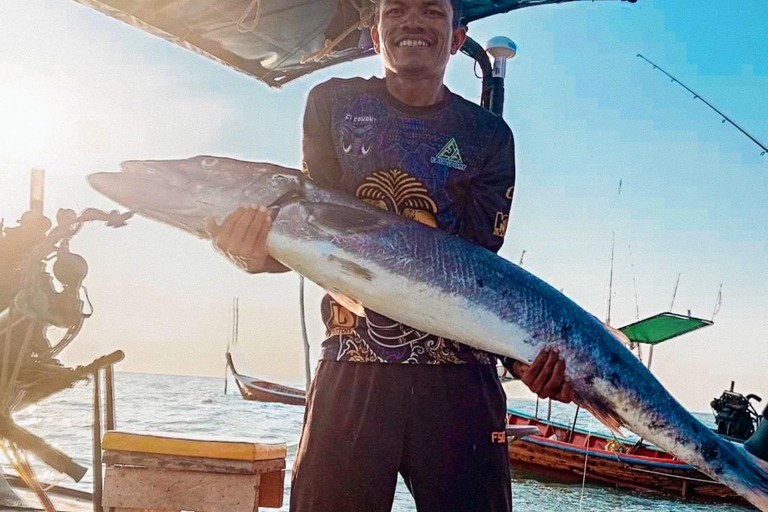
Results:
<point x="150" y="195"/>
<point x="146" y="187"/>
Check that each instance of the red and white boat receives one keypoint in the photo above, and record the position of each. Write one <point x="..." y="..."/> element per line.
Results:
<point x="564" y="452"/>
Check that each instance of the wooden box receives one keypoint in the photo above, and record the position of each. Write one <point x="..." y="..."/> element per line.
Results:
<point x="148" y="472"/>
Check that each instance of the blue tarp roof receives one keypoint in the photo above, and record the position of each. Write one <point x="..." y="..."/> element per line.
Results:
<point x="272" y="40"/>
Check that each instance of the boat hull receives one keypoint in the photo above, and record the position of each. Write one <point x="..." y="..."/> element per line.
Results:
<point x="560" y="452"/>
<point x="264" y="391"/>
<point x="259" y="390"/>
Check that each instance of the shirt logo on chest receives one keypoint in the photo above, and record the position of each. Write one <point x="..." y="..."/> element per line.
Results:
<point x="401" y="193"/>
<point x="450" y="156"/>
<point x="357" y="135"/>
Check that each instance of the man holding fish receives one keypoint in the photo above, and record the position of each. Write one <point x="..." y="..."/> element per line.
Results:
<point x="387" y="398"/>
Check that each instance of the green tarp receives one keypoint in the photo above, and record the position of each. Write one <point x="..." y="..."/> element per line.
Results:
<point x="662" y="327"/>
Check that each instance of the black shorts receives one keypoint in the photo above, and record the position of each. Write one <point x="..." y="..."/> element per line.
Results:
<point x="440" y="426"/>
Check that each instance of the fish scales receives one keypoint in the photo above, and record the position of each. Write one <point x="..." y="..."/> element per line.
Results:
<point x="437" y="283"/>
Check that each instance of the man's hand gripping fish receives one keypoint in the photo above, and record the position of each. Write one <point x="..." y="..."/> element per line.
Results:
<point x="435" y="282"/>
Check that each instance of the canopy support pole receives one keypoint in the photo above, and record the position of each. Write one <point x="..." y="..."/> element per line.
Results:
<point x="307" y="371"/>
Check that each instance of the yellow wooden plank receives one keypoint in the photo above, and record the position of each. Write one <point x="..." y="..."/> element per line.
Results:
<point x="166" y="445"/>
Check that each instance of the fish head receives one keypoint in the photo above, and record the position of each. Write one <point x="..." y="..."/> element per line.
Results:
<point x="187" y="193"/>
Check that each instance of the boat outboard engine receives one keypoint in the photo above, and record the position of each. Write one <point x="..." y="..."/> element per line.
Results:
<point x="734" y="414"/>
<point x="757" y="445"/>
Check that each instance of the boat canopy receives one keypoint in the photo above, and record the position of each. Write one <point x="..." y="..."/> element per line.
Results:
<point x="662" y="327"/>
<point x="274" y="41"/>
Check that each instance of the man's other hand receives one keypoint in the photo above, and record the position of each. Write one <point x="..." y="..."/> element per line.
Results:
<point x="243" y="239"/>
<point x="545" y="376"/>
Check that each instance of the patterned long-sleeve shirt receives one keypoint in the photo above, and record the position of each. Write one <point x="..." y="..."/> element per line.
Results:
<point x="450" y="166"/>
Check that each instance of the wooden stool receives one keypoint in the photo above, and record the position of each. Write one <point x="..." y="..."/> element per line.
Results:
<point x="148" y="472"/>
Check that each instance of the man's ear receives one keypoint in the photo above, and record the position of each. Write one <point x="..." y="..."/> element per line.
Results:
<point x="375" y="39"/>
<point x="459" y="36"/>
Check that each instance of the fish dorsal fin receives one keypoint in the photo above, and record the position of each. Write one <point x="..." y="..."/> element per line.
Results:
<point x="341" y="219"/>
<point x="350" y="304"/>
<point x="618" y="335"/>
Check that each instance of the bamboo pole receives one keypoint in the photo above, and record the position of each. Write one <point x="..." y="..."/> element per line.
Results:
<point x="46" y="453"/>
<point x="6" y="349"/>
<point x="97" y="484"/>
<point x="109" y="377"/>
<point x="307" y="370"/>
<point x="7" y="395"/>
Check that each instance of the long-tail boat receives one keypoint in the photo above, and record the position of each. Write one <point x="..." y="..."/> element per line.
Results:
<point x="265" y="391"/>
<point x="569" y="453"/>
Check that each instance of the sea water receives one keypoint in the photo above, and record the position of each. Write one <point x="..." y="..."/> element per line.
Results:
<point x="197" y="407"/>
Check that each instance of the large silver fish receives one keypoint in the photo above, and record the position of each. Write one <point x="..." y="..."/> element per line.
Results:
<point x="435" y="282"/>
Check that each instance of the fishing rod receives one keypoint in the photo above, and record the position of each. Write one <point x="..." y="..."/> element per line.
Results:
<point x="697" y="97"/>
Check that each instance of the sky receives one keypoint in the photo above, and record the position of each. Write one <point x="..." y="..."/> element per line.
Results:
<point x="81" y="92"/>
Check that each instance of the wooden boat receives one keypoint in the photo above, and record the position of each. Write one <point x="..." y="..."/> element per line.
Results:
<point x="560" y="451"/>
<point x="265" y="391"/>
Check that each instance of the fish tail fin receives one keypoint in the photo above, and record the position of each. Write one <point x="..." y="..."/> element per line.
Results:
<point x="750" y="479"/>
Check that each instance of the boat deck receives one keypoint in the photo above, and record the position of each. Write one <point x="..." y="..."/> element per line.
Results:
<point x="65" y="500"/>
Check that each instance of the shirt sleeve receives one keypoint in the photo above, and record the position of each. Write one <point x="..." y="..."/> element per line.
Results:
<point x="320" y="161"/>
<point x="507" y="363"/>
<point x="489" y="199"/>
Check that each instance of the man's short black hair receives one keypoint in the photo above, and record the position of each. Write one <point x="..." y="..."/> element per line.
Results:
<point x="456" y="4"/>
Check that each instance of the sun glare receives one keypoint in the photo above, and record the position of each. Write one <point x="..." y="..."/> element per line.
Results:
<point x="26" y="125"/>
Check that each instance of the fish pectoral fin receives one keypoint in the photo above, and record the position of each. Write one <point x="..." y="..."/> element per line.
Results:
<point x="350" y="304"/>
<point x="605" y="416"/>
<point x="340" y="219"/>
<point x="210" y="228"/>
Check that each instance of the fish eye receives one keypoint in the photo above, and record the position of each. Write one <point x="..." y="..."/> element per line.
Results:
<point x="281" y="178"/>
<point x="209" y="161"/>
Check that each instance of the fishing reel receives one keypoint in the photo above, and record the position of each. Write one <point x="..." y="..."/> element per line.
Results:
<point x="735" y="415"/>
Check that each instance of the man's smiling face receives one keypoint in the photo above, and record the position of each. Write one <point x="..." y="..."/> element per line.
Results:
<point x="416" y="37"/>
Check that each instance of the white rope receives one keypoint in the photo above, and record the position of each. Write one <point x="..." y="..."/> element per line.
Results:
<point x="512" y="487"/>
<point x="241" y="26"/>
<point x="586" y="457"/>
<point x="366" y="20"/>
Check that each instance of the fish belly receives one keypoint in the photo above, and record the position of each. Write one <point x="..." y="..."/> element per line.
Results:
<point x="384" y="283"/>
